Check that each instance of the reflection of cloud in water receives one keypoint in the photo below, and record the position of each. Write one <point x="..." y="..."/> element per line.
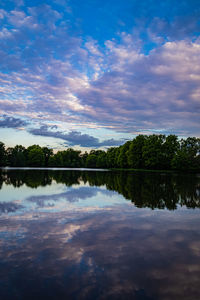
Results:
<point x="71" y="195"/>
<point x="9" y="207"/>
<point x="114" y="254"/>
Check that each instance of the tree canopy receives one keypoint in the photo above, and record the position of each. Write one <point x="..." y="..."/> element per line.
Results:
<point x="158" y="152"/>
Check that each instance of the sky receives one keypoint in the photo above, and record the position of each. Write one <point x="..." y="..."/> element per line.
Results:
<point x="96" y="73"/>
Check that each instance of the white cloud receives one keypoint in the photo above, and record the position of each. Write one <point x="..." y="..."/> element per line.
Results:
<point x="115" y="87"/>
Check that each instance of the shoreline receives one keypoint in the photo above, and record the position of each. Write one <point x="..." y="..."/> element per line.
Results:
<point x="101" y="169"/>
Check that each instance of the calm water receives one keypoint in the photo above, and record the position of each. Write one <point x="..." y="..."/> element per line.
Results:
<point x="99" y="235"/>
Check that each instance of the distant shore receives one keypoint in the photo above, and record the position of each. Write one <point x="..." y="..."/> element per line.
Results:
<point x="157" y="153"/>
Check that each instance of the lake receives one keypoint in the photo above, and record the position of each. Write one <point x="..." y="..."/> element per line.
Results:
<point x="78" y="234"/>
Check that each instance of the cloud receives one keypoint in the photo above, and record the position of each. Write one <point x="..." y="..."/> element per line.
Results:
<point x="136" y="253"/>
<point x="155" y="91"/>
<point x="138" y="92"/>
<point x="74" y="137"/>
<point x="72" y="195"/>
<point x="9" y="207"/>
<point x="3" y="13"/>
<point x="144" y="80"/>
<point x="11" y="122"/>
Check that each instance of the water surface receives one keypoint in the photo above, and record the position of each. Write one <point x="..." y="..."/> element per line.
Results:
<point x="69" y="234"/>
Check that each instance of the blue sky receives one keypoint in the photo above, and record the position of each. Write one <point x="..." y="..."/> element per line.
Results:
<point x="94" y="73"/>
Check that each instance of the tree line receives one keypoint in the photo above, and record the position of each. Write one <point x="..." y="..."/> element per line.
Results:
<point x="158" y="152"/>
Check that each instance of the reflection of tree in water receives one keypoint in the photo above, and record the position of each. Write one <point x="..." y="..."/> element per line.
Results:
<point x="159" y="190"/>
<point x="31" y="178"/>
<point x="153" y="190"/>
<point x="66" y="177"/>
<point x="1" y="179"/>
<point x="189" y="191"/>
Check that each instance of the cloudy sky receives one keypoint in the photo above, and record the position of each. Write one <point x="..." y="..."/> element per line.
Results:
<point x="94" y="73"/>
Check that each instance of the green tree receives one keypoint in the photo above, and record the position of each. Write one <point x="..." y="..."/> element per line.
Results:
<point x="35" y="156"/>
<point x="83" y="159"/>
<point x="134" y="154"/>
<point x="187" y="157"/>
<point x="71" y="158"/>
<point x="111" y="157"/>
<point x="152" y="151"/>
<point x="2" y="154"/>
<point x="91" y="160"/>
<point x="56" y="160"/>
<point x="16" y="157"/>
<point x="101" y="160"/>
<point x="170" y="148"/>
<point x="47" y="154"/>
<point x="122" y="158"/>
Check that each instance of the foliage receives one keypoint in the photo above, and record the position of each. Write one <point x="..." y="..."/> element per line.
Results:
<point x="35" y="156"/>
<point x="152" y="152"/>
<point x="157" y="152"/>
<point x="135" y="152"/>
<point x="16" y="157"/>
<point x="47" y="154"/>
<point x="188" y="155"/>
<point x="122" y="160"/>
<point x="2" y="154"/>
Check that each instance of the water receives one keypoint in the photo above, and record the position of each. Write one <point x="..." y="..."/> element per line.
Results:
<point x="99" y="235"/>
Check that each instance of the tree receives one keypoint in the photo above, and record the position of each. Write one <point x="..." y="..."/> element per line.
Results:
<point x="152" y="152"/>
<point x="111" y="157"/>
<point x="91" y="161"/>
<point x="101" y="160"/>
<point x="47" y="153"/>
<point x="134" y="154"/>
<point x="170" y="148"/>
<point x="56" y="160"/>
<point x="83" y="158"/>
<point x="122" y="161"/>
<point x="35" y="156"/>
<point x="71" y="158"/>
<point x="187" y="157"/>
<point x="2" y="154"/>
<point x="16" y="157"/>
